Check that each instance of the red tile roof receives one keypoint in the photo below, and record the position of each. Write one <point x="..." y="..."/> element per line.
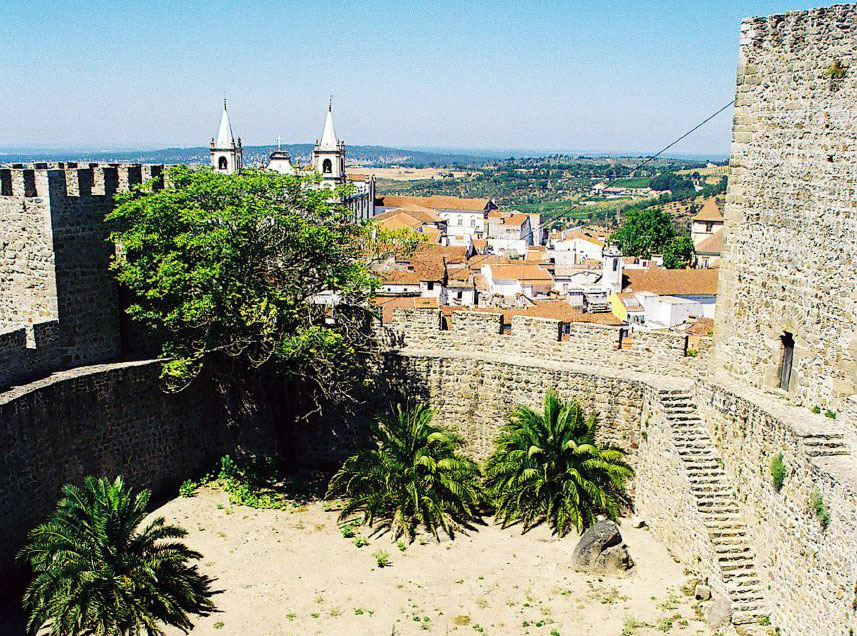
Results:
<point x="672" y="282"/>
<point x="436" y="201"/>
<point x="710" y="211"/>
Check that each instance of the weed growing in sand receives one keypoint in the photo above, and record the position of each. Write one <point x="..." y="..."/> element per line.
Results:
<point x="347" y="531"/>
<point x="291" y="616"/>
<point x="382" y="558"/>
<point x="360" y="541"/>
<point x="188" y="488"/>
<point x="401" y="545"/>
<point x="218" y="625"/>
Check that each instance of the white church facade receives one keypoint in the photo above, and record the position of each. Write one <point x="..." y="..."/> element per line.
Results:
<point x="328" y="160"/>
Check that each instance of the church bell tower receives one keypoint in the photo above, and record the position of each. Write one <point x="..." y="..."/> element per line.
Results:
<point x="328" y="156"/>
<point x="225" y="154"/>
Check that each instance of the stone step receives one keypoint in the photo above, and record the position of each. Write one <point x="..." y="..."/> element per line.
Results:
<point x="828" y="453"/>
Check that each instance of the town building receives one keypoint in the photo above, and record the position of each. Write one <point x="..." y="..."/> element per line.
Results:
<point x="226" y="155"/>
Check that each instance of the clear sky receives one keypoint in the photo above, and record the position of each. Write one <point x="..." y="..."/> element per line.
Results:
<point x="618" y="75"/>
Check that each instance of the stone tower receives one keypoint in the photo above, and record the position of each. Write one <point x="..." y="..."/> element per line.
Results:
<point x="787" y="295"/>
<point x="611" y="269"/>
<point x="328" y="156"/>
<point x="225" y="154"/>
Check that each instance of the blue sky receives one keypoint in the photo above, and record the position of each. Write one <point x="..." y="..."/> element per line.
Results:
<point x="620" y="75"/>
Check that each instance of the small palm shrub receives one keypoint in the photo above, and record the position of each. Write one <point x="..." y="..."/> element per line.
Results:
<point x="97" y="571"/>
<point x="548" y="467"/>
<point x="413" y="476"/>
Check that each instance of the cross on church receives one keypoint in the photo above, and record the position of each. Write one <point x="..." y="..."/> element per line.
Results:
<point x="279" y="139"/>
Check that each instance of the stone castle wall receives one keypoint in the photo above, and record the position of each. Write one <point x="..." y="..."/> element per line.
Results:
<point x="810" y="572"/>
<point x="54" y="258"/>
<point x="473" y="394"/>
<point x="584" y="344"/>
<point x="788" y="260"/>
<point x="109" y="420"/>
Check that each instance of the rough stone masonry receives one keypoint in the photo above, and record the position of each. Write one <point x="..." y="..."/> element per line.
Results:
<point x="703" y="430"/>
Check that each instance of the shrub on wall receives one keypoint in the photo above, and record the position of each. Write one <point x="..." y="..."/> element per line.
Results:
<point x="817" y="505"/>
<point x="778" y="471"/>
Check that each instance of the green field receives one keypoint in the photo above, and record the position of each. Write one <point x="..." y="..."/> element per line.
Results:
<point x="631" y="182"/>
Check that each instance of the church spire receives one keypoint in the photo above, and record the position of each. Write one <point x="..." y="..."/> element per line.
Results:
<point x="225" y="138"/>
<point x="328" y="137"/>
<point x="225" y="155"/>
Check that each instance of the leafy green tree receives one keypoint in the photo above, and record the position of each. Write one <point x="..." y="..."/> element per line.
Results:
<point x="549" y="467"/>
<point x="670" y="181"/>
<point x="413" y="476"/>
<point x="680" y="253"/>
<point x="228" y="266"/>
<point x="644" y="232"/>
<point x="98" y="572"/>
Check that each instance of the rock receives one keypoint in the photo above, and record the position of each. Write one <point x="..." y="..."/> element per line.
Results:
<point x="600" y="549"/>
<point x="718" y="613"/>
<point x="613" y="560"/>
<point x="702" y="592"/>
<point x="637" y="522"/>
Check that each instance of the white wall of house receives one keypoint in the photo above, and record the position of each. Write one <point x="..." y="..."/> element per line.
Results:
<point x="669" y="311"/>
<point x="401" y="289"/>
<point x="508" y="246"/>
<point x="575" y="251"/>
<point x="463" y="296"/>
<point x="433" y="289"/>
<point x="461" y="222"/>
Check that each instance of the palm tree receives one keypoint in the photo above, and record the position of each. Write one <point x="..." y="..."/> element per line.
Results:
<point x="414" y="475"/>
<point x="548" y="467"/>
<point x="97" y="573"/>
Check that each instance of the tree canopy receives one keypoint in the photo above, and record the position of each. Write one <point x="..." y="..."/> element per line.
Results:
<point x="644" y="232"/>
<point x="232" y="265"/>
<point x="679" y="253"/>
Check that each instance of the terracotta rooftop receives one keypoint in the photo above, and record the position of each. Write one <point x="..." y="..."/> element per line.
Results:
<point x="712" y="245"/>
<point x="389" y="303"/>
<point x="454" y="254"/>
<point x="671" y="281"/>
<point x="702" y="327"/>
<point x="435" y="201"/>
<point x="525" y="272"/>
<point x="553" y="309"/>
<point x="427" y="268"/>
<point x="710" y="211"/>
<point x="399" y="222"/>
<point x="424" y="215"/>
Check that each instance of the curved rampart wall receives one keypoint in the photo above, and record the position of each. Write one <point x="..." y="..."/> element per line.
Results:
<point x="109" y="420"/>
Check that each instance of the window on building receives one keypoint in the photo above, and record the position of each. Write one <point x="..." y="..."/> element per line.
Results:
<point x="473" y="221"/>
<point x="709" y="227"/>
<point x="458" y="295"/>
<point x="327" y="166"/>
<point x="788" y="353"/>
<point x="615" y="264"/>
<point x="430" y="285"/>
<point x="222" y="163"/>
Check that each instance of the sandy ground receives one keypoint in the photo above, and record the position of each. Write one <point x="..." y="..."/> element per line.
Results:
<point x="292" y="572"/>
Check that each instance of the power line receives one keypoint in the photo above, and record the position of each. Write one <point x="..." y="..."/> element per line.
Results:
<point x="652" y="157"/>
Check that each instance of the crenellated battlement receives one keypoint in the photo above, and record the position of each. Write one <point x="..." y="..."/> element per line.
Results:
<point x="579" y="343"/>
<point x="71" y="179"/>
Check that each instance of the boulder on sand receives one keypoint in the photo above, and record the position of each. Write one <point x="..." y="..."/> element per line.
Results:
<point x="601" y="549"/>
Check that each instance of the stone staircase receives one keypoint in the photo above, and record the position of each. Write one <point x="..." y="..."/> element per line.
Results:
<point x="717" y="505"/>
<point x="825" y="444"/>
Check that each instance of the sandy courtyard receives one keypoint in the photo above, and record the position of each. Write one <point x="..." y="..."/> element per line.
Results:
<point x="292" y="572"/>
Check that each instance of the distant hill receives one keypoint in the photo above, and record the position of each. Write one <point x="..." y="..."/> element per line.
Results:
<point x="254" y="156"/>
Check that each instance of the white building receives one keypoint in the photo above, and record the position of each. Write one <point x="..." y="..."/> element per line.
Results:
<point x="225" y="154"/>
